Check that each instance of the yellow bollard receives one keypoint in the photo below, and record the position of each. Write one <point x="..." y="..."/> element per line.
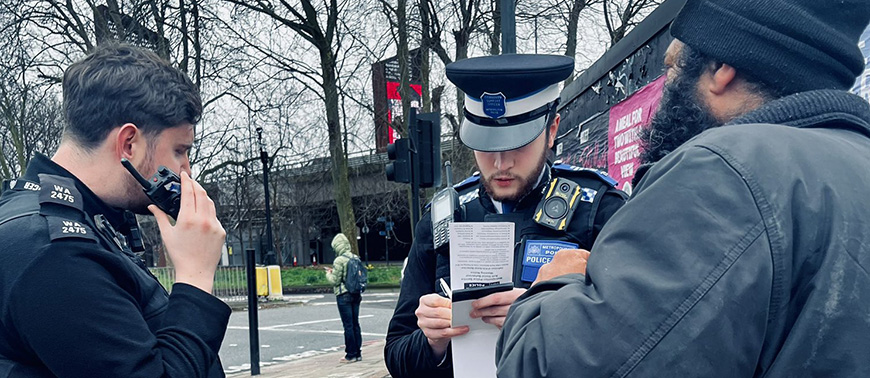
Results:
<point x="276" y="292"/>
<point x="262" y="281"/>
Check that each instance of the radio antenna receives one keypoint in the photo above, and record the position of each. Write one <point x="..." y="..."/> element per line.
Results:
<point x="449" y="174"/>
<point x="145" y="183"/>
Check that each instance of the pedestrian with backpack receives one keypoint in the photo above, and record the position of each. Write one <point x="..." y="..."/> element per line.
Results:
<point x="349" y="277"/>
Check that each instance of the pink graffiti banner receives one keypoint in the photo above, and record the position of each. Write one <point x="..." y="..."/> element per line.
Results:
<point x="627" y="119"/>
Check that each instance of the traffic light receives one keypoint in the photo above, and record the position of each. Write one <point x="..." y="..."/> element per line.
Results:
<point x="428" y="142"/>
<point x="399" y="170"/>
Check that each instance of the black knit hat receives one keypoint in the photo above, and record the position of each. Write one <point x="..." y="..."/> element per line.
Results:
<point x="792" y="45"/>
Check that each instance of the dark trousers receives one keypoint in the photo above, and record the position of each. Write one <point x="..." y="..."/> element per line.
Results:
<point x="348" y="309"/>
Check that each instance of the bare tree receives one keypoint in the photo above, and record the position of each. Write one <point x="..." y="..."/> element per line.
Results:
<point x="318" y="25"/>
<point x="620" y="16"/>
<point x="48" y="35"/>
<point x="30" y="119"/>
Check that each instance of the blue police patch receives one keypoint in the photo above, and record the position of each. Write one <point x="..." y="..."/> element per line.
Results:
<point x="468" y="197"/>
<point x="588" y="195"/>
<point x="493" y="104"/>
<point x="539" y="252"/>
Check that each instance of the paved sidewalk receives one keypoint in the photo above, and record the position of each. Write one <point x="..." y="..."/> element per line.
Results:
<point x="328" y="365"/>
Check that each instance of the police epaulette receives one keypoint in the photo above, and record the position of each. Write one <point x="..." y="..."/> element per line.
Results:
<point x="468" y="183"/>
<point x="565" y="170"/>
<point x="467" y="189"/>
<point x="59" y="191"/>
<point x="62" y="228"/>
<point x="61" y="204"/>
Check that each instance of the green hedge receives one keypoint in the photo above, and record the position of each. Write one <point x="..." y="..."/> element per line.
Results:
<point x="234" y="279"/>
<point x="380" y="275"/>
<point x="384" y="275"/>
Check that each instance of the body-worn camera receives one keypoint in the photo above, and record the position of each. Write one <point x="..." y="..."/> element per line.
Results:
<point x="164" y="188"/>
<point x="557" y="207"/>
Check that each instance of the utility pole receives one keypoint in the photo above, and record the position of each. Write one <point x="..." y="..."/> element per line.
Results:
<point x="253" y="319"/>
<point x="415" y="171"/>
<point x="508" y="27"/>
<point x="264" y="158"/>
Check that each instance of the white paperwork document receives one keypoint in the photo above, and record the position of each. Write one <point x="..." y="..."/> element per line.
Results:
<point x="481" y="254"/>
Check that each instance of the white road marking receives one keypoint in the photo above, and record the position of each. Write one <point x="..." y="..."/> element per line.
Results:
<point x="278" y="326"/>
<point x="363" y="302"/>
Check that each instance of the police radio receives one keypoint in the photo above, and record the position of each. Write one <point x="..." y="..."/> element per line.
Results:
<point x="164" y="188"/>
<point x="445" y="203"/>
<point x="557" y="207"/>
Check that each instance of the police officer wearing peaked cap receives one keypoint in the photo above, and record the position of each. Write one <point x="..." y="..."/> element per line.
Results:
<point x="511" y="124"/>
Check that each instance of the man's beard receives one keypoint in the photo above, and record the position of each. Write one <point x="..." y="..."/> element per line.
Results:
<point x="526" y="183"/>
<point x="681" y="116"/>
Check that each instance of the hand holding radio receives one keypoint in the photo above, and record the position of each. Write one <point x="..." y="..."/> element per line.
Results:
<point x="194" y="243"/>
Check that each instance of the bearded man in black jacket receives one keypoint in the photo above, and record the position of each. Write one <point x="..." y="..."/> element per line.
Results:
<point x="744" y="249"/>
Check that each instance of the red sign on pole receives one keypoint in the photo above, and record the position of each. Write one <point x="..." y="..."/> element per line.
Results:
<point x="386" y="79"/>
<point x="394" y="98"/>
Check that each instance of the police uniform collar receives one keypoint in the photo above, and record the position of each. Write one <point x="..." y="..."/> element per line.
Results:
<point x="41" y="164"/>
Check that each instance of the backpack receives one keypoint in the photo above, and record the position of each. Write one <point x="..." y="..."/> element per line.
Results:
<point x="357" y="276"/>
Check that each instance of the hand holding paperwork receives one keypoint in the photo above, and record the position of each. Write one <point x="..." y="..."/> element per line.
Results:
<point x="481" y="263"/>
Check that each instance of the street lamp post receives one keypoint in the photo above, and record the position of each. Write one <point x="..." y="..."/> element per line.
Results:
<point x="264" y="158"/>
<point x="365" y="231"/>
<point x="387" y="247"/>
<point x="388" y="227"/>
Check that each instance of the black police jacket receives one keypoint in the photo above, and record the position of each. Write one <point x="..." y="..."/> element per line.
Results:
<point x="74" y="303"/>
<point x="407" y="352"/>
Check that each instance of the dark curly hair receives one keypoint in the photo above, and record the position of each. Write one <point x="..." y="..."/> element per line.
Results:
<point x="118" y="84"/>
<point x="682" y="114"/>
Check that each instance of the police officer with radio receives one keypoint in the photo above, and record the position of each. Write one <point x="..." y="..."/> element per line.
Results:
<point x="76" y="299"/>
<point x="511" y="124"/>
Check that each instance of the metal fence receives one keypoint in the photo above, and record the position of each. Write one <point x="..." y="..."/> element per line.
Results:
<point x="230" y="282"/>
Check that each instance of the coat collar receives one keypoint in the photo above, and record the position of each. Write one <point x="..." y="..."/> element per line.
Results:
<point x="818" y="109"/>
